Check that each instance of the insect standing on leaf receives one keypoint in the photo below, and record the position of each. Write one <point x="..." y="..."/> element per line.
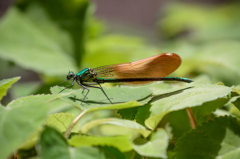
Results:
<point x="150" y="69"/>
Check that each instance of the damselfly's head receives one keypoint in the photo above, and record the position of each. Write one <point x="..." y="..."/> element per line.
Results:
<point x="70" y="75"/>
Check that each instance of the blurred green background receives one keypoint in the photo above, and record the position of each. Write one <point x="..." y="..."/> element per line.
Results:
<point x="42" y="40"/>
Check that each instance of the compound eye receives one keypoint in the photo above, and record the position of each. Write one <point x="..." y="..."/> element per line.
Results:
<point x="70" y="75"/>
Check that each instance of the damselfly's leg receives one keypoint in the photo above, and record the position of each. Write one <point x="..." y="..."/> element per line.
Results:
<point x="100" y="87"/>
<point x="88" y="85"/>
<point x="84" y="87"/>
<point x="67" y="86"/>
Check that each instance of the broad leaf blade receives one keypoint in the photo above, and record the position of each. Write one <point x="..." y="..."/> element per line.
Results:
<point x="192" y="97"/>
<point x="117" y="122"/>
<point x="97" y="100"/>
<point x="17" y="124"/>
<point x="33" y="49"/>
<point x="61" y="121"/>
<point x="216" y="139"/>
<point x="120" y="142"/>
<point x="156" y="147"/>
<point x="20" y="119"/>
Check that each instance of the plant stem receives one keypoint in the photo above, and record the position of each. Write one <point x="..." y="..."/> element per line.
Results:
<point x="74" y="122"/>
<point x="191" y="118"/>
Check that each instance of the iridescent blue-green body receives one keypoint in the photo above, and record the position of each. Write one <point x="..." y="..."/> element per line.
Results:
<point x="147" y="70"/>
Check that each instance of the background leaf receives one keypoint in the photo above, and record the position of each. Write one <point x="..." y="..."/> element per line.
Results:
<point x="31" y="52"/>
<point x="6" y="84"/>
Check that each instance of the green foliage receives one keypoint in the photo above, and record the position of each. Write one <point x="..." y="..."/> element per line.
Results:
<point x="156" y="147"/>
<point x="145" y="121"/>
<point x="218" y="138"/>
<point x="6" y="84"/>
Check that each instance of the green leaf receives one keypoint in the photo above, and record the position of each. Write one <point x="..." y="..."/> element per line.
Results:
<point x="216" y="139"/>
<point x="209" y="107"/>
<point x="213" y="60"/>
<point x="196" y="96"/>
<point x="86" y="153"/>
<point x="129" y="113"/>
<point x="61" y="121"/>
<point x="117" y="122"/>
<point x="237" y="89"/>
<point x="18" y="123"/>
<point x="156" y="147"/>
<point x="72" y="16"/>
<point x="53" y="144"/>
<point x="24" y="89"/>
<point x="35" y="99"/>
<point x="179" y="122"/>
<point x="21" y="119"/>
<point x="120" y="142"/>
<point x="197" y="19"/>
<point x="96" y="100"/>
<point x="113" y="153"/>
<point x="114" y="48"/>
<point x="236" y="101"/>
<point x="6" y="84"/>
<point x="33" y="48"/>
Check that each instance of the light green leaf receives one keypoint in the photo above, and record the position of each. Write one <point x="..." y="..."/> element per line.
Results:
<point x="35" y="99"/>
<point x="96" y="100"/>
<point x="237" y="89"/>
<point x="216" y="139"/>
<point x="20" y="119"/>
<point x="220" y="60"/>
<point x="156" y="147"/>
<point x="113" y="49"/>
<point x="18" y="123"/>
<point x="196" y="96"/>
<point x="198" y="19"/>
<point x="117" y="122"/>
<point x="61" y="121"/>
<point x="25" y="88"/>
<point x="86" y="153"/>
<point x="6" y="84"/>
<point x="235" y="101"/>
<point x="120" y="142"/>
<point x="33" y="48"/>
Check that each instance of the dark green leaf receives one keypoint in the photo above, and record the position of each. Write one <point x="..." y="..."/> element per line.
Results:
<point x="216" y="139"/>
<point x="53" y="145"/>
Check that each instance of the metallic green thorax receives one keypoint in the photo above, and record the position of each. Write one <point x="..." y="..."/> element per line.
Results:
<point x="86" y="75"/>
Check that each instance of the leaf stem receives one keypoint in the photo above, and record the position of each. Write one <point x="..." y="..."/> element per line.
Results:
<point x="191" y="118"/>
<point x="74" y="122"/>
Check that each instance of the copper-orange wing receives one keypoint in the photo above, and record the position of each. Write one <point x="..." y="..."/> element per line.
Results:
<point x="154" y="66"/>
